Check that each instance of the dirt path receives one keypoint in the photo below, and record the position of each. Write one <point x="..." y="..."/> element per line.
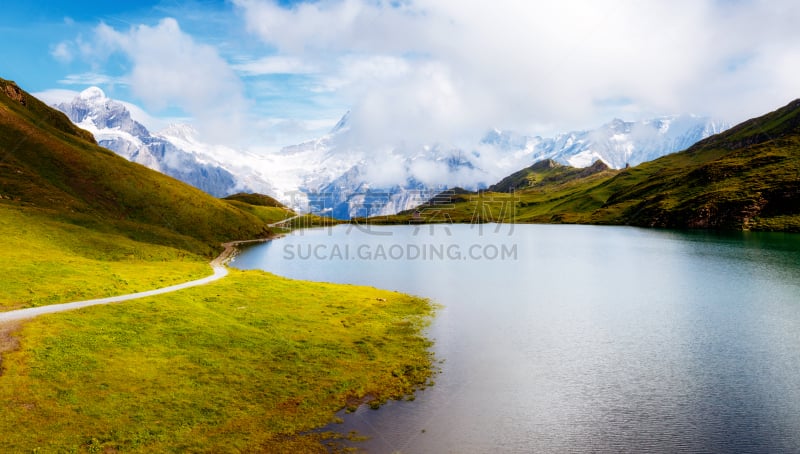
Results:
<point x="284" y="221"/>
<point x="218" y="265"/>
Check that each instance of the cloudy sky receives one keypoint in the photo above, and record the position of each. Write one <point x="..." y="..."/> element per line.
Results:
<point x="271" y="73"/>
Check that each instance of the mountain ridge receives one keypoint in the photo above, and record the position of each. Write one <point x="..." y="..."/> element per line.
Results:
<point x="354" y="188"/>
<point x="334" y="175"/>
<point x="745" y="178"/>
<point x="50" y="164"/>
<point x="169" y="151"/>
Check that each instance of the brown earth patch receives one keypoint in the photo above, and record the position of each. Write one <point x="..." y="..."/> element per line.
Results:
<point x="8" y="343"/>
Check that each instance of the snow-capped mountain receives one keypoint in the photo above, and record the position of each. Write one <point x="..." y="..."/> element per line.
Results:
<point x="618" y="143"/>
<point x="346" y="180"/>
<point x="173" y="151"/>
<point x="336" y="175"/>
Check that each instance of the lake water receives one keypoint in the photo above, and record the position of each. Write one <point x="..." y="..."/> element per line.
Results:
<point x="579" y="338"/>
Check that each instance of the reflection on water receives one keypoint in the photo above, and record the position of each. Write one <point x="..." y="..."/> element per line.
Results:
<point x="586" y="339"/>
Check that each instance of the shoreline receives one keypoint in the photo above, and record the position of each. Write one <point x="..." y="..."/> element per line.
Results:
<point x="230" y="249"/>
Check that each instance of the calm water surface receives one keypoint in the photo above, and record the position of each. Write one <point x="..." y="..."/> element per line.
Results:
<point x="579" y="338"/>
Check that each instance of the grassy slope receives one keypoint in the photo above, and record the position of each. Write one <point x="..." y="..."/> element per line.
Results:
<point x="553" y="194"/>
<point x="80" y="222"/>
<point x="256" y="199"/>
<point x="745" y="178"/>
<point x="48" y="262"/>
<point x="46" y="164"/>
<point x="244" y="364"/>
<point x="544" y="173"/>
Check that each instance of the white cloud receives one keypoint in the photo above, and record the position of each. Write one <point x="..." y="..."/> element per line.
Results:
<point x="56" y="96"/>
<point x="91" y="78"/>
<point x="274" y="65"/>
<point x="442" y="68"/>
<point x="62" y="52"/>
<point x="169" y="69"/>
<point x="339" y="26"/>
<point x="275" y="133"/>
<point x="446" y="70"/>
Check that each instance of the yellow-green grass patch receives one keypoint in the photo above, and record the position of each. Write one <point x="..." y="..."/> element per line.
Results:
<point x="45" y="261"/>
<point x="246" y="364"/>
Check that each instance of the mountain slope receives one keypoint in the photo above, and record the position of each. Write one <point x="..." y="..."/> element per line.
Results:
<point x="747" y="177"/>
<point x="545" y="172"/>
<point x="348" y="181"/>
<point x="170" y="152"/>
<point x="256" y="199"/>
<point x="47" y="163"/>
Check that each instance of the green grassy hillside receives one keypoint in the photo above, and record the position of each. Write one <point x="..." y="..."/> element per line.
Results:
<point x="745" y="178"/>
<point x="259" y="206"/>
<point x="547" y="172"/>
<point x="45" y="261"/>
<point x="80" y="222"/>
<point x="47" y="163"/>
<point x="257" y="200"/>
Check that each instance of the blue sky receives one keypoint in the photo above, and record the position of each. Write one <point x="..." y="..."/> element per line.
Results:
<point x="265" y="74"/>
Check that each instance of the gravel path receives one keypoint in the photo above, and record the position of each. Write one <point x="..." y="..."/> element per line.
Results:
<point x="22" y="314"/>
<point x="218" y="264"/>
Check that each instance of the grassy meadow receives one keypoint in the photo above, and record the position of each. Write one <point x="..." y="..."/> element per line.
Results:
<point x="246" y="364"/>
<point x="45" y="261"/>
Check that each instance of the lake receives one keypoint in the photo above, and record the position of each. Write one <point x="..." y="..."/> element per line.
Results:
<point x="557" y="338"/>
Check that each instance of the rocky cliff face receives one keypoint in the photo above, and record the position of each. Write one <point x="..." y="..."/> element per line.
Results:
<point x="14" y="92"/>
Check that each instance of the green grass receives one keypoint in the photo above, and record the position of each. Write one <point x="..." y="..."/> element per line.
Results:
<point x="246" y="364"/>
<point x="266" y="214"/>
<point x="47" y="262"/>
<point x="256" y="200"/>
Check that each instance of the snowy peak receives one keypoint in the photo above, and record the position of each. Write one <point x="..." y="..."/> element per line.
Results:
<point x="180" y="131"/>
<point x="617" y="143"/>
<point x="619" y="126"/>
<point x="508" y="140"/>
<point x="174" y="151"/>
<point x="342" y="126"/>
<point x="93" y="94"/>
<point x="339" y="175"/>
<point x="91" y="109"/>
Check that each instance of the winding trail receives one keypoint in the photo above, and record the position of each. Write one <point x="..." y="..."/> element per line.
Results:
<point x="218" y="265"/>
